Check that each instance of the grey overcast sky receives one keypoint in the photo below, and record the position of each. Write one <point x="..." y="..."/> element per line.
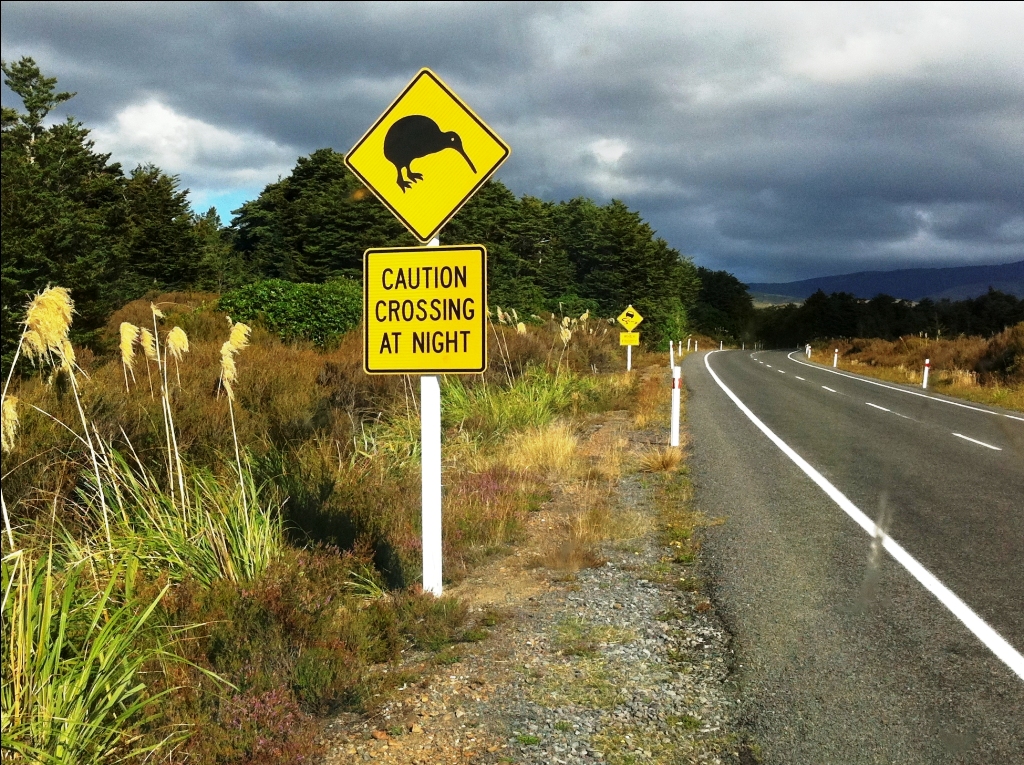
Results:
<point x="778" y="141"/>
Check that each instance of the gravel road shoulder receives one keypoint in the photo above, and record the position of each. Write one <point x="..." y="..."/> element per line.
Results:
<point x="623" y="662"/>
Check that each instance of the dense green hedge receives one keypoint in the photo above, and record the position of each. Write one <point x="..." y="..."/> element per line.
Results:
<point x="317" y="312"/>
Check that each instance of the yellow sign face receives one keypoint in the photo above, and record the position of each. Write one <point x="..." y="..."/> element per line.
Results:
<point x="425" y="310"/>
<point x="426" y="155"/>
<point x="630" y="319"/>
<point x="629" y="338"/>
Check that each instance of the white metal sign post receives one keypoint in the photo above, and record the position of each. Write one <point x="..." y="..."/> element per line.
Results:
<point x="430" y="468"/>
<point x="677" y="375"/>
<point x="424" y="310"/>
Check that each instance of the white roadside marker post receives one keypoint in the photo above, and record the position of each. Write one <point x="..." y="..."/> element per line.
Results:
<point x="927" y="366"/>
<point x="835" y="359"/>
<point x="430" y="467"/>
<point x="671" y="355"/>
<point x="677" y="374"/>
<point x="696" y="346"/>
<point x="687" y="345"/>
<point x="721" y="345"/>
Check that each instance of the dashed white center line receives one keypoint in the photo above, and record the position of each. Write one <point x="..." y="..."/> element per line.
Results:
<point x="798" y="377"/>
<point x="828" y="389"/>
<point x="976" y="441"/>
<point x="768" y="365"/>
<point x="781" y="372"/>
<point x="876" y="406"/>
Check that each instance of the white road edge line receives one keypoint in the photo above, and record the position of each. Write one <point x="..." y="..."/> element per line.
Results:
<point x="828" y="389"/>
<point x="976" y="441"/>
<point x="876" y="406"/>
<point x="901" y="390"/>
<point x="992" y="639"/>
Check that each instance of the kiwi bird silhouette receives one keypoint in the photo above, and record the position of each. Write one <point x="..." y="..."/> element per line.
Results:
<point x="417" y="136"/>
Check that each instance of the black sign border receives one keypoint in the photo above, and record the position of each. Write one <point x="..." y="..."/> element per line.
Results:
<point x="366" y="308"/>
<point x="508" y="151"/>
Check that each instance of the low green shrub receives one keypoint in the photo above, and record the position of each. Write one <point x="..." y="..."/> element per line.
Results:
<point x="321" y="313"/>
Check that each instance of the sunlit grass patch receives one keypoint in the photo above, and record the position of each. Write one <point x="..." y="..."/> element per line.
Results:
<point x="584" y="681"/>
<point x="650" y="401"/>
<point x="552" y="452"/>
<point x="575" y="636"/>
<point x="680" y="741"/>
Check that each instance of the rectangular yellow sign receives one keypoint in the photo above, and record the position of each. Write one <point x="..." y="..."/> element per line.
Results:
<point x="629" y="338"/>
<point x="425" y="310"/>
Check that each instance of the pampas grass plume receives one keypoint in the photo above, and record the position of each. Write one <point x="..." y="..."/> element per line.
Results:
<point x="238" y="340"/>
<point x="177" y="343"/>
<point x="239" y="336"/>
<point x="157" y="313"/>
<point x="9" y="424"/>
<point x="47" y="321"/>
<point x="129" y="332"/>
<point x="148" y="343"/>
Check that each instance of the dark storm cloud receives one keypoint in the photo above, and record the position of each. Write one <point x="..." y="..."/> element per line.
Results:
<point x="776" y="141"/>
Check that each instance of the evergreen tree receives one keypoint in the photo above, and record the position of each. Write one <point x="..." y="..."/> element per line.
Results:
<point x="70" y="217"/>
<point x="314" y="224"/>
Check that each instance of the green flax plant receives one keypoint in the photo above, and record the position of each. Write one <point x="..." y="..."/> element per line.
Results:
<point x="74" y="656"/>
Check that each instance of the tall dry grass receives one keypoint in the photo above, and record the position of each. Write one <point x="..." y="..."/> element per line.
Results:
<point x="987" y="370"/>
<point x="197" y="475"/>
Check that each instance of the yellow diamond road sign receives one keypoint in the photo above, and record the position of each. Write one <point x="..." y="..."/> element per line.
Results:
<point x="426" y="155"/>
<point x="425" y="310"/>
<point x="630" y="319"/>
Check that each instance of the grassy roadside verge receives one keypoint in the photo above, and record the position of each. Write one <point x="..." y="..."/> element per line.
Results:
<point x="236" y="519"/>
<point x="988" y="371"/>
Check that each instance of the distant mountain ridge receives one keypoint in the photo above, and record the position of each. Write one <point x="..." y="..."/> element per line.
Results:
<point x="957" y="283"/>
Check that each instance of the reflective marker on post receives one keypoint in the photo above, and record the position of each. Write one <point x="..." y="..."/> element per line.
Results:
<point x="430" y="450"/>
<point x="677" y="374"/>
<point x="927" y="366"/>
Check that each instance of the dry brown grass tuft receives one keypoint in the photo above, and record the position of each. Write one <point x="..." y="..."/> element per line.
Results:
<point x="664" y="460"/>
<point x="651" y="397"/>
<point x="552" y="452"/>
<point x="593" y="519"/>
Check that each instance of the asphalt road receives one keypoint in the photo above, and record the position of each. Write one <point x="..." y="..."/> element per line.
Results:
<point x="842" y="655"/>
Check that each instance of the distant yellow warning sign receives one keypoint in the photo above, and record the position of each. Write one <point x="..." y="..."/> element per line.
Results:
<point x="630" y="319"/>
<point x="426" y="155"/>
<point x="425" y="310"/>
<point x="629" y="338"/>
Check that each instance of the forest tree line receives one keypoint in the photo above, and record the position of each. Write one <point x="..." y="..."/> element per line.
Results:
<point x="71" y="216"/>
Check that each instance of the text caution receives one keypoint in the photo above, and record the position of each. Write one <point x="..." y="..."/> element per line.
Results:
<point x="425" y="310"/>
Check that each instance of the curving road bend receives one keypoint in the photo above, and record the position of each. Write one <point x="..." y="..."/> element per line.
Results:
<point x="871" y="567"/>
